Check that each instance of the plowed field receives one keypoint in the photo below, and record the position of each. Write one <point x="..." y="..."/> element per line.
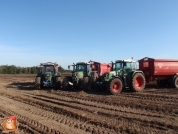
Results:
<point x="48" y="111"/>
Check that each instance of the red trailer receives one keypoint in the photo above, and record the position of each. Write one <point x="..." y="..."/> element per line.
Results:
<point x="164" y="71"/>
<point x="101" y="68"/>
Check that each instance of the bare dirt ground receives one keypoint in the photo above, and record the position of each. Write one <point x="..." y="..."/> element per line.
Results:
<point x="154" y="111"/>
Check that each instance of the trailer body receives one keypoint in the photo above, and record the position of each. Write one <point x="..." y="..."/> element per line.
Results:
<point x="101" y="68"/>
<point x="159" y="69"/>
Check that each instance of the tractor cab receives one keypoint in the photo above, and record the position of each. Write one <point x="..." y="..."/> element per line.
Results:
<point x="82" y="67"/>
<point x="125" y="65"/>
<point x="80" y="70"/>
<point x="48" y="68"/>
<point x="48" y="72"/>
<point x="120" y="68"/>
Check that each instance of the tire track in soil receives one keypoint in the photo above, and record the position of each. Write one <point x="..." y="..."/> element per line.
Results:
<point x="66" y="112"/>
<point x="137" y="95"/>
<point x="155" y="96"/>
<point x="23" y="129"/>
<point x="136" y="121"/>
<point x="145" y="103"/>
<point x="125" y="96"/>
<point x="41" y="125"/>
<point x="112" y="110"/>
<point x="69" y="100"/>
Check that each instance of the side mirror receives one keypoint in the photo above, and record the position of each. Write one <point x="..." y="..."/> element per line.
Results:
<point x="68" y="67"/>
<point x="124" y="64"/>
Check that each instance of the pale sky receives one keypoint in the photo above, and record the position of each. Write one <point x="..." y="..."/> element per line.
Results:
<point x="67" y="31"/>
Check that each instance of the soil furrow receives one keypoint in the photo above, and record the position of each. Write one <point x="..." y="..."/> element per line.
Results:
<point x="94" y="119"/>
<point x="153" y="111"/>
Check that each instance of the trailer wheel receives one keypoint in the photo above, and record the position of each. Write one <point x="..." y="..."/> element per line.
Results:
<point x="115" y="86"/>
<point x="38" y="83"/>
<point x="138" y="82"/>
<point x="58" y="82"/>
<point x="175" y="82"/>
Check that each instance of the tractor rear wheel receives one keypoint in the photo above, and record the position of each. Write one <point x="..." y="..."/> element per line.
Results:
<point x="58" y="82"/>
<point x="138" y="82"/>
<point x="38" y="83"/>
<point x="85" y="83"/>
<point x="115" y="86"/>
<point x="93" y="81"/>
<point x="94" y="77"/>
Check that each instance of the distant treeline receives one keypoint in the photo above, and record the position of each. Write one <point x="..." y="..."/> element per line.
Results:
<point x="12" y="69"/>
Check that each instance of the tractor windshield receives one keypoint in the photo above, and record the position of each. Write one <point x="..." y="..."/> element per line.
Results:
<point x="49" y="69"/>
<point x="81" y="67"/>
<point x="130" y="65"/>
<point x="117" y="65"/>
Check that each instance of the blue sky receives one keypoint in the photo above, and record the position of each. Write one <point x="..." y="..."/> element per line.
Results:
<point x="67" y="31"/>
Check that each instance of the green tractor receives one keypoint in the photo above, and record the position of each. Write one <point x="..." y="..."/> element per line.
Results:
<point x="124" y="74"/>
<point x="48" y="76"/>
<point x="85" y="75"/>
<point x="80" y="76"/>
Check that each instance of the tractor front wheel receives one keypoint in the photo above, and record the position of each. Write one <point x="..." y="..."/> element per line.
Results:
<point x="138" y="82"/>
<point x="86" y="84"/>
<point x="58" y="83"/>
<point x="38" y="83"/>
<point x="65" y="83"/>
<point x="115" y="86"/>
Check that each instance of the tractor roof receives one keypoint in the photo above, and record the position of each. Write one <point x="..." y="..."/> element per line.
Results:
<point x="82" y="63"/>
<point x="128" y="60"/>
<point x="49" y="63"/>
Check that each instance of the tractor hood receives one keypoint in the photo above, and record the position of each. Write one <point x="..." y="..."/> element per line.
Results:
<point x="79" y="74"/>
<point x="111" y="74"/>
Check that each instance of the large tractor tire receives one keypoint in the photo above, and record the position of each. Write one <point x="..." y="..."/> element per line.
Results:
<point x="94" y="77"/>
<point x="85" y="84"/>
<point x="115" y="86"/>
<point x="38" y="83"/>
<point x="174" y="82"/>
<point x="138" y="82"/>
<point x="58" y="82"/>
<point x="65" y="83"/>
<point x="93" y="81"/>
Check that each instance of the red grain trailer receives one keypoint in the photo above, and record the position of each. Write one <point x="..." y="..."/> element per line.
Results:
<point x="101" y="68"/>
<point x="164" y="71"/>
